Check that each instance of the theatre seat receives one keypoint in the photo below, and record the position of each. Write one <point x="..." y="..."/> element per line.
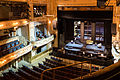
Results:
<point x="43" y="66"/>
<point x="21" y="46"/>
<point x="38" y="69"/>
<point x="53" y="58"/>
<point x="10" y="47"/>
<point x="27" y="75"/>
<point x="32" y="72"/>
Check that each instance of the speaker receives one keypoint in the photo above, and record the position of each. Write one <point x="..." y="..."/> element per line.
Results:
<point x="101" y="3"/>
<point x="113" y="29"/>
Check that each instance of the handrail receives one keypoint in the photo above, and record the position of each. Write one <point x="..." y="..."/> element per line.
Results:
<point x="64" y="67"/>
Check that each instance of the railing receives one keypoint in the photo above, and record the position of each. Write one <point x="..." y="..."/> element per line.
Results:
<point x="12" y="56"/>
<point x="42" y="74"/>
<point x="43" y="41"/>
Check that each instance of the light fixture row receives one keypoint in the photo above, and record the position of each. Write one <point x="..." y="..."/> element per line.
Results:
<point x="12" y="24"/>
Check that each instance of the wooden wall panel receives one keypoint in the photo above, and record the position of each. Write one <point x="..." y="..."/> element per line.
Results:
<point x="16" y="0"/>
<point x="40" y="1"/>
<point x="12" y="23"/>
<point x="112" y="2"/>
<point x="77" y="2"/>
<point x="116" y="19"/>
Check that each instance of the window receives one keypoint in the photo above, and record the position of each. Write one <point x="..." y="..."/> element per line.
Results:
<point x="87" y="30"/>
<point x="99" y="31"/>
<point x="77" y="25"/>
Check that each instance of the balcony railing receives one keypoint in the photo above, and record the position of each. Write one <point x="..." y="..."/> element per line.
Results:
<point x="81" y="63"/>
<point x="18" y="53"/>
<point x="43" y="41"/>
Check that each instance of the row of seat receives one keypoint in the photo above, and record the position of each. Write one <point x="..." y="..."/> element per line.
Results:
<point x="96" y="61"/>
<point x="40" y="34"/>
<point x="89" y="54"/>
<point x="26" y="73"/>
<point x="73" y="70"/>
<point x="10" y="47"/>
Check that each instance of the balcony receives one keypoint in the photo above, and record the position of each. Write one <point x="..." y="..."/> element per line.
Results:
<point x="12" y="23"/>
<point x="43" y="41"/>
<point x="12" y="56"/>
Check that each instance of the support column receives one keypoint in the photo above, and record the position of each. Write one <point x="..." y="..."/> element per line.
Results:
<point x="82" y="31"/>
<point x="31" y="31"/>
<point x="93" y="31"/>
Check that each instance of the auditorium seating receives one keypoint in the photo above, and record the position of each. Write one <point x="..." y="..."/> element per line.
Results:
<point x="34" y="73"/>
<point x="10" y="47"/>
<point x="30" y="71"/>
<point x="72" y="56"/>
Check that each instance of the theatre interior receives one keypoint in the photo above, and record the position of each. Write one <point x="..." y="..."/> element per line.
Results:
<point x="59" y="39"/>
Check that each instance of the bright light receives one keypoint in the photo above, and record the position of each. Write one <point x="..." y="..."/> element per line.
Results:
<point x="56" y="19"/>
<point x="102" y="54"/>
<point x="35" y="8"/>
<point x="13" y="56"/>
<point x="1" y="25"/>
<point x="79" y="22"/>
<point x="49" y="22"/>
<point x="16" y="27"/>
<point x="15" y="23"/>
<point x="3" y="61"/>
<point x="91" y="54"/>
<point x="25" y="22"/>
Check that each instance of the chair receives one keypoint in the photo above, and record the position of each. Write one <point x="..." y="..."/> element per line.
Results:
<point x="3" y="47"/>
<point x="53" y="58"/>
<point x="8" y="45"/>
<point x="10" y="50"/>
<point x="26" y="75"/>
<point x="21" y="46"/>
<point x="32" y="72"/>
<point x="14" y="49"/>
<point x="43" y="66"/>
<point x="49" y="64"/>
<point x="15" y="75"/>
<point x="17" y="47"/>
<point x="37" y="34"/>
<point x="12" y="44"/>
<point x="38" y="69"/>
<point x="16" y="43"/>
